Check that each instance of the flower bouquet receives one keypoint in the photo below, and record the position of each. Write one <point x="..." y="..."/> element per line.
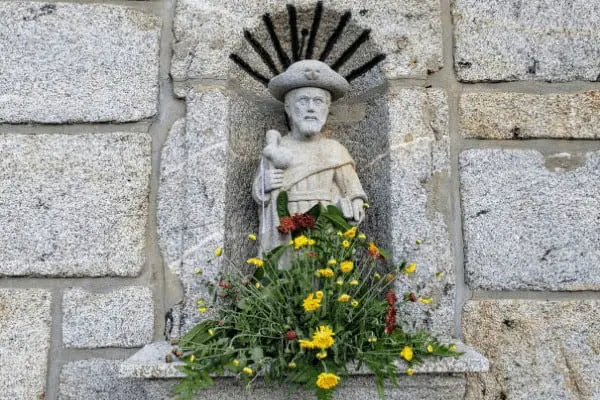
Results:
<point x="329" y="309"/>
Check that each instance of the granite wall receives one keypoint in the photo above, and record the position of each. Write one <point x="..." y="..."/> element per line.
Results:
<point x="123" y="125"/>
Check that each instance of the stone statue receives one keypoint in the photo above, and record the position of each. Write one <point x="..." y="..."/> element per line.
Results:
<point x="310" y="168"/>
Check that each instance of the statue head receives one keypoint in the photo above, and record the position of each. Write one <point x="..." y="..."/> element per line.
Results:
<point x="307" y="109"/>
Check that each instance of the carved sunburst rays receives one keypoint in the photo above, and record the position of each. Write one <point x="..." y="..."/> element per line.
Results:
<point x="303" y="46"/>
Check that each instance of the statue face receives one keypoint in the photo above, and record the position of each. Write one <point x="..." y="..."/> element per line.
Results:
<point x="307" y="109"/>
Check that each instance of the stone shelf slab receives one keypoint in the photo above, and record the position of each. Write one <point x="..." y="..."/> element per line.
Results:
<point x="149" y="363"/>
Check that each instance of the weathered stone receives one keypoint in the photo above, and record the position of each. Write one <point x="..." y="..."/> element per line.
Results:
<point x="120" y="318"/>
<point x="99" y="380"/>
<point x="191" y="197"/>
<point x="537" y="349"/>
<point x="534" y="40"/>
<point x="530" y="222"/>
<point x="24" y="342"/>
<point x="419" y="180"/>
<point x="73" y="205"/>
<point x="522" y="115"/>
<point x="77" y="63"/>
<point x="206" y="32"/>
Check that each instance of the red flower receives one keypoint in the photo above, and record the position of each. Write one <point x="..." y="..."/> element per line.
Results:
<point x="290" y="336"/>
<point x="286" y="225"/>
<point x="390" y="316"/>
<point x="304" y="221"/>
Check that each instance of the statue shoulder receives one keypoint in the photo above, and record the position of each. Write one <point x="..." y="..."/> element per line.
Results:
<point x="336" y="149"/>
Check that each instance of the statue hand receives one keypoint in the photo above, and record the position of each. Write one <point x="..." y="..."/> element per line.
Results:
<point x="273" y="179"/>
<point x="358" y="212"/>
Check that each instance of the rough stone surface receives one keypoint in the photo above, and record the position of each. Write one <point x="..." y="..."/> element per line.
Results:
<point x="73" y="205"/>
<point x="206" y="32"/>
<point x="419" y="192"/>
<point x="99" y="380"/>
<point x="524" y="116"/>
<point x="77" y="63"/>
<point x="24" y="342"/>
<point x="120" y="318"/>
<point x="191" y="197"/>
<point x="537" y="350"/>
<point x="534" y="40"/>
<point x="531" y="222"/>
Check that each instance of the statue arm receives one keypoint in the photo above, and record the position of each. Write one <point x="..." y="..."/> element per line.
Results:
<point x="257" y="190"/>
<point x="349" y="184"/>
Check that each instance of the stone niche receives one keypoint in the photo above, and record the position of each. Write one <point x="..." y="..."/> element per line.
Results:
<point x="397" y="136"/>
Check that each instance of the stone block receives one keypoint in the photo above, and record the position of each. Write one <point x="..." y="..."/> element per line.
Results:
<point x="99" y="380"/>
<point x="537" y="349"/>
<point x="77" y="63"/>
<point x="526" y="116"/>
<point x="530" y="221"/>
<point x="24" y="342"/>
<point x="191" y="196"/>
<point x="206" y="32"/>
<point x="73" y="205"/>
<point x="419" y="192"/>
<point x="120" y="318"/>
<point x="508" y="40"/>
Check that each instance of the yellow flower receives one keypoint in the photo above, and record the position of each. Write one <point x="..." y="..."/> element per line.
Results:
<point x="200" y="301"/>
<point x="322" y="354"/>
<point x="362" y="236"/>
<point x="319" y="295"/>
<point x="372" y="339"/>
<point x="252" y="236"/>
<point x="306" y="344"/>
<point x="192" y="358"/>
<point x="248" y="371"/>
<point x="312" y="302"/>
<point x="339" y="282"/>
<point x="340" y="234"/>
<point x="377" y="276"/>
<point x="353" y="282"/>
<point x="411" y="268"/>
<point x="453" y="347"/>
<point x="256" y="262"/>
<point x="327" y="380"/>
<point x="236" y="363"/>
<point x="430" y="348"/>
<point x="323" y="337"/>
<point x="346" y="266"/>
<point x="355" y="303"/>
<point x="197" y="271"/>
<point x="326" y="273"/>
<point x="211" y="332"/>
<point x="410" y="371"/>
<point x="344" y="298"/>
<point x="218" y="251"/>
<point x="202" y="310"/>
<point x="346" y="244"/>
<point x="257" y="285"/>
<point x="292" y="365"/>
<point x="425" y="300"/>
<point x="300" y="242"/>
<point x="331" y="262"/>
<point x="407" y="353"/>
<point x="350" y="233"/>
<point x="311" y="242"/>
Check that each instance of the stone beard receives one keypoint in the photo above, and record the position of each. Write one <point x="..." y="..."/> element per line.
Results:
<point x="310" y="168"/>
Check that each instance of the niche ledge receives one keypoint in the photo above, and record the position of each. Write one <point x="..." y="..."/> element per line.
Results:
<point x="149" y="363"/>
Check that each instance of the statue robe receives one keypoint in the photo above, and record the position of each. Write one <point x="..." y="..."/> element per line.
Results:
<point x="321" y="171"/>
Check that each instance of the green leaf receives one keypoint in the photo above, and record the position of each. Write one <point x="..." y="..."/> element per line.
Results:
<point x="282" y="204"/>
<point x="336" y="217"/>
<point x="316" y="210"/>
